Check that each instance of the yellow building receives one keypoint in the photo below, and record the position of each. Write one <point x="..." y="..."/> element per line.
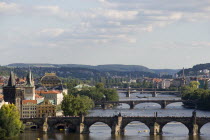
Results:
<point x="46" y="108"/>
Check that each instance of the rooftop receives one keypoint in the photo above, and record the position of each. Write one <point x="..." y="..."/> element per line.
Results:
<point x="29" y="101"/>
<point x="48" y="92"/>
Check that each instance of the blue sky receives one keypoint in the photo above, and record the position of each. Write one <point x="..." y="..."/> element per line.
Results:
<point x="152" y="33"/>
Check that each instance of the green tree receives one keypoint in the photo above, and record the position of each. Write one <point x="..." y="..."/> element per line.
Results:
<point x="76" y="105"/>
<point x="100" y="86"/>
<point x="10" y="124"/>
<point x="97" y="93"/>
<point x="194" y="84"/>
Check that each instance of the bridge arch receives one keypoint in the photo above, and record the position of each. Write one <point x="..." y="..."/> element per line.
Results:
<point x="138" y="126"/>
<point x="123" y="106"/>
<point x="61" y="125"/>
<point x="100" y="126"/>
<point x="168" y="105"/>
<point x="204" y="128"/>
<point x="31" y="125"/>
<point x="168" y="128"/>
<point x="149" y="104"/>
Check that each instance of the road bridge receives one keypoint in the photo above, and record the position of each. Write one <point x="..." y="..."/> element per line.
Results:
<point x="117" y="123"/>
<point x="132" y="103"/>
<point x="154" y="93"/>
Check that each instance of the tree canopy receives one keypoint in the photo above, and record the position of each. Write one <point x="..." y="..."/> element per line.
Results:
<point x="76" y="105"/>
<point x="97" y="93"/>
<point x="10" y="124"/>
<point x="200" y="96"/>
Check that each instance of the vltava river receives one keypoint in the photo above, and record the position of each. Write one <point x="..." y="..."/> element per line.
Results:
<point x="135" y="130"/>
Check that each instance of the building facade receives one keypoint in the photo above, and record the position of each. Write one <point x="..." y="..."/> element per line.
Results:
<point x="55" y="95"/>
<point x="46" y="108"/>
<point x="29" y="109"/>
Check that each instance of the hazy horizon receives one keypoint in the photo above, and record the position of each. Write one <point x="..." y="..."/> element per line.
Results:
<point x="158" y="34"/>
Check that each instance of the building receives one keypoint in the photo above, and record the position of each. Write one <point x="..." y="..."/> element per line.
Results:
<point x="55" y="95"/>
<point x="29" y="109"/>
<point x="39" y="98"/>
<point x="9" y="90"/>
<point x="166" y="83"/>
<point x="22" y="93"/>
<point x="45" y="108"/>
<point x="50" y="80"/>
<point x="29" y="88"/>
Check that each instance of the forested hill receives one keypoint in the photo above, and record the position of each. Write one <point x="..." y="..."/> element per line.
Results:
<point x="76" y="72"/>
<point x="86" y="71"/>
<point x="113" y="67"/>
<point x="195" y="69"/>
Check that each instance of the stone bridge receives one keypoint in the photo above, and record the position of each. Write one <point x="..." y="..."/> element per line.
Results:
<point x="153" y="92"/>
<point x="132" y="103"/>
<point x="117" y="124"/>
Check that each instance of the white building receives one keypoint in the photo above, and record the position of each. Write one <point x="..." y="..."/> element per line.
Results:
<point x="166" y="83"/>
<point x="55" y="95"/>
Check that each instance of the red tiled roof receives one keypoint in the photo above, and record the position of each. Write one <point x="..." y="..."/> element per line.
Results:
<point x="48" y="92"/>
<point x="157" y="80"/>
<point x="29" y="101"/>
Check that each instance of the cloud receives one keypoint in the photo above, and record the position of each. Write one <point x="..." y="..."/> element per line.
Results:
<point x="9" y="8"/>
<point x="51" y="32"/>
<point x="113" y="21"/>
<point x="201" y="44"/>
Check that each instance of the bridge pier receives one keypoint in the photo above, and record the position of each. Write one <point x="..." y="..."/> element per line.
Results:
<point x="116" y="128"/>
<point x="154" y="94"/>
<point x="81" y="128"/>
<point x="131" y="105"/>
<point x="128" y="94"/>
<point x="45" y="125"/>
<point x="193" y="129"/>
<point x="163" y="104"/>
<point x="155" y="129"/>
<point x="104" y="106"/>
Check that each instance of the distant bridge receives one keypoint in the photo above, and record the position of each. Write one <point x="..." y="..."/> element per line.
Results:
<point x="132" y="103"/>
<point x="154" y="93"/>
<point x="81" y="124"/>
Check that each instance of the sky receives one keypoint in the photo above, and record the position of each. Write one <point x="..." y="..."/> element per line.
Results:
<point x="152" y="33"/>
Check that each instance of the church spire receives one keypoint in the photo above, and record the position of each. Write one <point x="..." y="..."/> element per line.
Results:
<point x="29" y="79"/>
<point x="183" y="75"/>
<point x="11" y="81"/>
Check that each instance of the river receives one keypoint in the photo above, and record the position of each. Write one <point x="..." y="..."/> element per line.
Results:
<point x="134" y="130"/>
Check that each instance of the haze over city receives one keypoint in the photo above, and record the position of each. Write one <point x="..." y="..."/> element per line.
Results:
<point x="155" y="34"/>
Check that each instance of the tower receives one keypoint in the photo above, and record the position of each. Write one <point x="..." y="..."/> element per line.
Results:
<point x="29" y="93"/>
<point x="10" y="89"/>
<point x="183" y="78"/>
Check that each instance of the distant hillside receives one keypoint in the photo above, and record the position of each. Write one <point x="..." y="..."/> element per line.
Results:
<point x="113" y="67"/>
<point x="166" y="71"/>
<point x="195" y="69"/>
<point x="75" y="72"/>
<point x="30" y="65"/>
